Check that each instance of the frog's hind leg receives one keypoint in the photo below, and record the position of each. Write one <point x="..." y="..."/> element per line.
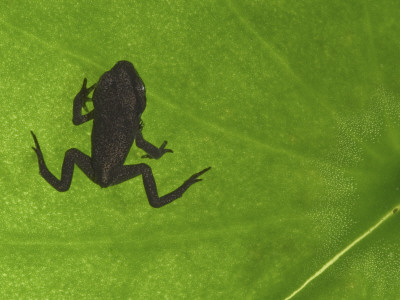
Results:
<point x="72" y="156"/>
<point x="126" y="172"/>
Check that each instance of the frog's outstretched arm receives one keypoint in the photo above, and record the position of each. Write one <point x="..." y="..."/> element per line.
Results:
<point x="72" y="156"/>
<point x="127" y="172"/>
<point x="151" y="150"/>
<point x="80" y="102"/>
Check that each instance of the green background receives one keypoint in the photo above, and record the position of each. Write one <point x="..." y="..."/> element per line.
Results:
<point x="295" y="105"/>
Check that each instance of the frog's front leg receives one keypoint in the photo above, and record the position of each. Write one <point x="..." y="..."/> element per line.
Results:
<point x="72" y="156"/>
<point x="151" y="150"/>
<point x="80" y="102"/>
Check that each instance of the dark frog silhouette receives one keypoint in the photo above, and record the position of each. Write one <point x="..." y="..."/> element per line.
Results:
<point x="119" y="99"/>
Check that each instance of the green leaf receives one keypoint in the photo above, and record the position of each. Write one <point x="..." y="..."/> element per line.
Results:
<point x="294" y="104"/>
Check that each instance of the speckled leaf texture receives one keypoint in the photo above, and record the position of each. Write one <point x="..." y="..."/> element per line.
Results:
<point x="294" y="104"/>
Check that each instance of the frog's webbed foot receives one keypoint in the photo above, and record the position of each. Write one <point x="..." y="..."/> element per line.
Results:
<point x="84" y="93"/>
<point x="161" y="150"/>
<point x="80" y="102"/>
<point x="194" y="178"/>
<point x="151" y="150"/>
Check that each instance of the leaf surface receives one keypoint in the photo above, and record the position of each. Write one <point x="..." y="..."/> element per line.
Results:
<point x="295" y="105"/>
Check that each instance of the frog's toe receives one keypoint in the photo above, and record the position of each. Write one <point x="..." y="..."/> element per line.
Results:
<point x="37" y="149"/>
<point x="84" y="104"/>
<point x="35" y="140"/>
<point x="84" y="84"/>
<point x="163" y="150"/>
<point x="163" y="145"/>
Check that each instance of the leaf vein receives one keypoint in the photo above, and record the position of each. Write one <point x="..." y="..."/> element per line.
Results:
<point x="341" y="253"/>
<point x="49" y="46"/>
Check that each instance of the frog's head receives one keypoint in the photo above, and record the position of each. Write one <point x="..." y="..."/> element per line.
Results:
<point x="127" y="71"/>
<point x="123" y="86"/>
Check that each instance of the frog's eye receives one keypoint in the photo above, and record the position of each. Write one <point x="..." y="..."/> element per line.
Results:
<point x="140" y="87"/>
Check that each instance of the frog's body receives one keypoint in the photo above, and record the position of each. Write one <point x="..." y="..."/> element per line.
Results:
<point x="119" y="100"/>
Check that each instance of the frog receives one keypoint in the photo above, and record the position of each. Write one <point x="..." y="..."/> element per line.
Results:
<point x="119" y="100"/>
